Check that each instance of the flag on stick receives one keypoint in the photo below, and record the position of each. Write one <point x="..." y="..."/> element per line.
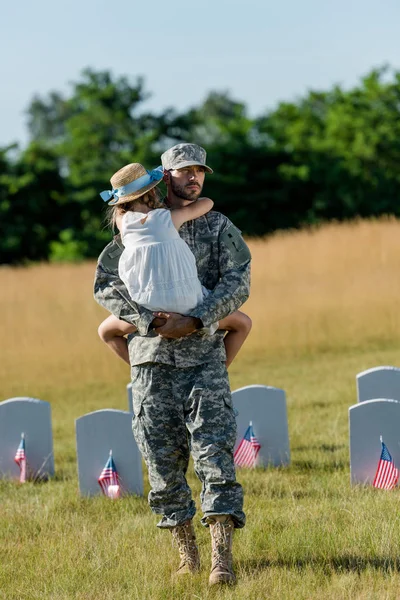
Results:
<point x="109" y="479"/>
<point x="20" y="459"/>
<point x="387" y="474"/>
<point x="248" y="449"/>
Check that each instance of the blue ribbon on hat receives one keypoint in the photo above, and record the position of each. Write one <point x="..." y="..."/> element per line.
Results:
<point x="133" y="186"/>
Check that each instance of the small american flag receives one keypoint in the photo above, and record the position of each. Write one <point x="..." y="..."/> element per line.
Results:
<point x="387" y="475"/>
<point x="109" y="479"/>
<point x="246" y="453"/>
<point x="20" y="459"/>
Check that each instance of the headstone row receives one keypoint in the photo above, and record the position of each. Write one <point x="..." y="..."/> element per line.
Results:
<point x="26" y="445"/>
<point x="108" y="459"/>
<point x="375" y="417"/>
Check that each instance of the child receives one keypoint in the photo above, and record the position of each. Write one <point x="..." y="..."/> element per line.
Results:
<point x="157" y="266"/>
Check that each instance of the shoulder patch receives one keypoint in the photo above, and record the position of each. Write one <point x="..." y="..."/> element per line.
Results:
<point x="235" y="245"/>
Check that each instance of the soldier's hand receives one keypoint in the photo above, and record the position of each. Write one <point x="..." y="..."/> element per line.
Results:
<point x="158" y="322"/>
<point x="176" y="325"/>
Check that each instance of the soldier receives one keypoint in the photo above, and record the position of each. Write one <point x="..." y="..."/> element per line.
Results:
<point x="180" y="388"/>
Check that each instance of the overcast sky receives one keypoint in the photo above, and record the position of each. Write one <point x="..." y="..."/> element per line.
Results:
<point x="260" y="51"/>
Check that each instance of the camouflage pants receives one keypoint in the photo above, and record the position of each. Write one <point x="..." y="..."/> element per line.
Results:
<point x="179" y="411"/>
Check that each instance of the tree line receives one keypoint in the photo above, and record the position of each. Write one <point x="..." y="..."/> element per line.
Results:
<point x="328" y="155"/>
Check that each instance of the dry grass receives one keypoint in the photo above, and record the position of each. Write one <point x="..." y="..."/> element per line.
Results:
<point x="52" y="322"/>
<point x="325" y="289"/>
<point x="324" y="307"/>
<point x="329" y="289"/>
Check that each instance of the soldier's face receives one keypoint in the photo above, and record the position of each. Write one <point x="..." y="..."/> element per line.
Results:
<point x="188" y="182"/>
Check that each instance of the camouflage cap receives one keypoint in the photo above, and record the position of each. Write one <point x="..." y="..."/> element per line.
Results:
<point x="184" y="155"/>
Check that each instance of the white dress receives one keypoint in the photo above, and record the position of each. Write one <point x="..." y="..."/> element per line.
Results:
<point x="157" y="266"/>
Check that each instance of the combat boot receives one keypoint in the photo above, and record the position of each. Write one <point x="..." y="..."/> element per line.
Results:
<point x="188" y="551"/>
<point x="221" y="529"/>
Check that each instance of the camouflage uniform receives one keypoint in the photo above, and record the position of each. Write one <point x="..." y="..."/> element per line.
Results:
<point x="180" y="387"/>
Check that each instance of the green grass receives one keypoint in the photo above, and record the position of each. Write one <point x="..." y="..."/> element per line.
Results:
<point x="310" y="535"/>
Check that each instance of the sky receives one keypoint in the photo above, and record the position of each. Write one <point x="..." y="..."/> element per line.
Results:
<point x="260" y="51"/>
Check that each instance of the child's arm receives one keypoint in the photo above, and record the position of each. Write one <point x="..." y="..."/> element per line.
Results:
<point x="200" y="207"/>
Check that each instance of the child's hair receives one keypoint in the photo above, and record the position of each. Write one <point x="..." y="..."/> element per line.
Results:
<point x="152" y="199"/>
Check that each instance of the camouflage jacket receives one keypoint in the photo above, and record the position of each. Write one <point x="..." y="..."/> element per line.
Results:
<point x="223" y="264"/>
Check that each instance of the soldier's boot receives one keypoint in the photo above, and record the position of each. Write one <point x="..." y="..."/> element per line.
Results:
<point x="221" y="529"/>
<point x="185" y="538"/>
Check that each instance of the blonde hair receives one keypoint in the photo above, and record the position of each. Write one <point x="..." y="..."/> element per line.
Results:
<point x="152" y="199"/>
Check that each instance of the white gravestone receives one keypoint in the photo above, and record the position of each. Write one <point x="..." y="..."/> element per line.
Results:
<point x="368" y="421"/>
<point x="379" y="382"/>
<point x="96" y="434"/>
<point x="265" y="407"/>
<point x="32" y="417"/>
<point x="130" y="398"/>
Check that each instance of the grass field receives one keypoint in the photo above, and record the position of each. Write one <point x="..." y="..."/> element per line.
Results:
<point x="324" y="305"/>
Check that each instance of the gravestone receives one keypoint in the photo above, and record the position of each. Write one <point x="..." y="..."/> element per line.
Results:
<point x="265" y="406"/>
<point x="96" y="434"/>
<point x="31" y="417"/>
<point x="130" y="398"/>
<point x="379" y="382"/>
<point x="369" y="420"/>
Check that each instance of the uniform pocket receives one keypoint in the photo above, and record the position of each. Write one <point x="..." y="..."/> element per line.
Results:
<point x="225" y="390"/>
<point x="228" y="400"/>
<point x="137" y="396"/>
<point x="137" y="406"/>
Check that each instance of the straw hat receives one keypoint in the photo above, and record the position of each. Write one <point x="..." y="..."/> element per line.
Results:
<point x="124" y="188"/>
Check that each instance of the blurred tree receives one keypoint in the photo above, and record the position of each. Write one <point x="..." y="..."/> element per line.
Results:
<point x="31" y="199"/>
<point x="330" y="155"/>
<point x="342" y="149"/>
<point x="94" y="132"/>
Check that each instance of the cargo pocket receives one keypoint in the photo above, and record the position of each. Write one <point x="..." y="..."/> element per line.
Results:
<point x="137" y="423"/>
<point x="225" y="391"/>
<point x="231" y="425"/>
<point x="229" y="403"/>
<point x="137" y="405"/>
<point x="228" y="400"/>
<point x="137" y="396"/>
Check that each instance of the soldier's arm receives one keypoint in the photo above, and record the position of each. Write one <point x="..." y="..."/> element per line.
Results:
<point x="233" y="287"/>
<point x="111" y="293"/>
